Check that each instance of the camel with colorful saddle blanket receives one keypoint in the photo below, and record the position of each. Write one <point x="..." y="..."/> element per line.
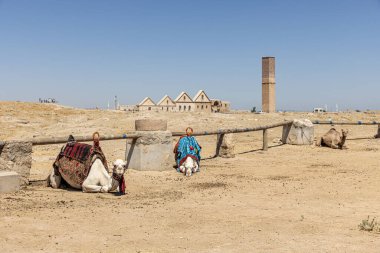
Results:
<point x="84" y="166"/>
<point x="187" y="153"/>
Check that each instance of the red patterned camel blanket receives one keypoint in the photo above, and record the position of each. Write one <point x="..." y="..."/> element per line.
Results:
<point x="75" y="160"/>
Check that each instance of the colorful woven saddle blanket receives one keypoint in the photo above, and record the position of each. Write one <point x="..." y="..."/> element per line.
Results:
<point x="75" y="160"/>
<point x="187" y="146"/>
<point x="77" y="151"/>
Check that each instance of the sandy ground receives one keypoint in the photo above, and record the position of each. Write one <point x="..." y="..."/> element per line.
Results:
<point x="288" y="199"/>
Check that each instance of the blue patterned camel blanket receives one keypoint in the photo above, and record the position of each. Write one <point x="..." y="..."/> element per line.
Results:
<point x="187" y="146"/>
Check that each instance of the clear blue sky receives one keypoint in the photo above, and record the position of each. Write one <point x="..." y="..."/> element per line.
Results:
<point x="84" y="52"/>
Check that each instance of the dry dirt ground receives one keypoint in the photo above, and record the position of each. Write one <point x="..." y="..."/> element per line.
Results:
<point x="288" y="199"/>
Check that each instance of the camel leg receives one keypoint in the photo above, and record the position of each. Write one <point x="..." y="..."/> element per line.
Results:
<point x="98" y="179"/>
<point x="188" y="172"/>
<point x="195" y="169"/>
<point x="54" y="180"/>
<point x="92" y="188"/>
<point x="334" y="146"/>
<point x="319" y="142"/>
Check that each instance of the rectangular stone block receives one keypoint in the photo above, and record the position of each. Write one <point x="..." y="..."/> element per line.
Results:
<point x="16" y="156"/>
<point x="9" y="181"/>
<point x="153" y="151"/>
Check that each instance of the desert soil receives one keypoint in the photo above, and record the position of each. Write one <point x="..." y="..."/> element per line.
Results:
<point x="288" y="199"/>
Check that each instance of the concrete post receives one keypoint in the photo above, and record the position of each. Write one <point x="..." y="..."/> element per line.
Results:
<point x="378" y="132"/>
<point x="152" y="150"/>
<point x="265" y="139"/>
<point x="225" y="146"/>
<point x="219" y="141"/>
<point x="268" y="85"/>
<point x="16" y="156"/>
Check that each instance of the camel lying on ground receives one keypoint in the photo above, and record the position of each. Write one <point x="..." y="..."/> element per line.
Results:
<point x="187" y="153"/>
<point x="333" y="139"/>
<point x="98" y="179"/>
<point x="189" y="167"/>
<point x="84" y="166"/>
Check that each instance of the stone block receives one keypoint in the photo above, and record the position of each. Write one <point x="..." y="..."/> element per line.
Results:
<point x="301" y="132"/>
<point x="226" y="146"/>
<point x="151" y="125"/>
<point x="9" y="181"/>
<point x="16" y="156"/>
<point x="152" y="151"/>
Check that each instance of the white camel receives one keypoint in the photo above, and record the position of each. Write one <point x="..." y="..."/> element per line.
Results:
<point x="189" y="166"/>
<point x="98" y="179"/>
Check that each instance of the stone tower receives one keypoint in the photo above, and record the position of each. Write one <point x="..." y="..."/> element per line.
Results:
<point x="268" y="85"/>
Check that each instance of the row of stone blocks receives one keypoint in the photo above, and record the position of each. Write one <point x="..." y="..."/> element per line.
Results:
<point x="152" y="151"/>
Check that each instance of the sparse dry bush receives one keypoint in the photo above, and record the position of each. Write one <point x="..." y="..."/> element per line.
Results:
<point x="370" y="225"/>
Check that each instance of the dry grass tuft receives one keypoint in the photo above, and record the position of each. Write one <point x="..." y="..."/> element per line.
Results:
<point x="370" y="225"/>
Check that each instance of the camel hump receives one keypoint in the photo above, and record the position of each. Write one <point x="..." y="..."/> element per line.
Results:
<point x="332" y="131"/>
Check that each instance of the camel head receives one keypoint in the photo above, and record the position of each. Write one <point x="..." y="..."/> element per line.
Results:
<point x="119" y="167"/>
<point x="189" y="166"/>
<point x="344" y="133"/>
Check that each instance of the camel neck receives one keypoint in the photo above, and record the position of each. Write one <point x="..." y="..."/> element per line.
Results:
<point x="115" y="182"/>
<point x="342" y="141"/>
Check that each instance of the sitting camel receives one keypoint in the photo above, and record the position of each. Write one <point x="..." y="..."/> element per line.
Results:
<point x="333" y="139"/>
<point x="189" y="166"/>
<point x="187" y="154"/>
<point x="83" y="166"/>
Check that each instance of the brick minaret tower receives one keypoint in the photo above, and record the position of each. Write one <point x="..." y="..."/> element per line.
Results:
<point x="268" y="85"/>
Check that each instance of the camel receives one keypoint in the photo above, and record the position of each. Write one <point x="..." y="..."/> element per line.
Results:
<point x="333" y="139"/>
<point x="189" y="167"/>
<point x="84" y="167"/>
<point x="98" y="179"/>
<point x="187" y="153"/>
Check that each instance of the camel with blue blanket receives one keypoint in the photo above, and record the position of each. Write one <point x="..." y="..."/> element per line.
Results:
<point x="187" y="153"/>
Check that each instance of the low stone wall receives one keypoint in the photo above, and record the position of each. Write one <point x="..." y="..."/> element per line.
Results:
<point x="16" y="156"/>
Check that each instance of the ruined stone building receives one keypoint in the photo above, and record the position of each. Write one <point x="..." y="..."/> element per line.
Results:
<point x="219" y="105"/>
<point x="183" y="103"/>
